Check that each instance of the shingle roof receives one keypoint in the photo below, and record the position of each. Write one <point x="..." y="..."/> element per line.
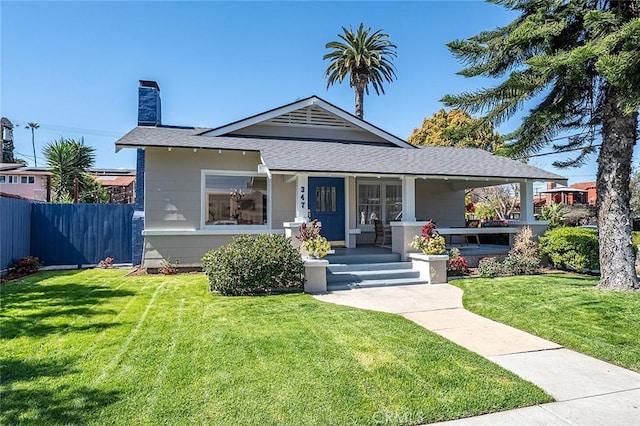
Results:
<point x="342" y="157"/>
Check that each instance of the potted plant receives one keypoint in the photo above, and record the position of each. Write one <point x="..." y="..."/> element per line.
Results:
<point x="315" y="245"/>
<point x="430" y="242"/>
<point x="432" y="263"/>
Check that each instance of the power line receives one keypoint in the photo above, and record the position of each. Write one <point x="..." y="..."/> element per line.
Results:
<point x="56" y="127"/>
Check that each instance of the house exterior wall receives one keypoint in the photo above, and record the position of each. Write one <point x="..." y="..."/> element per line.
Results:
<point x="33" y="191"/>
<point x="173" y="197"/>
<point x="173" y="202"/>
<point x="436" y="200"/>
<point x="310" y="132"/>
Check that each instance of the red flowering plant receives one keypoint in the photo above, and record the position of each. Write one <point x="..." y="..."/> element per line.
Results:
<point x="457" y="264"/>
<point x="430" y="242"/>
<point x="106" y="263"/>
<point x="26" y="265"/>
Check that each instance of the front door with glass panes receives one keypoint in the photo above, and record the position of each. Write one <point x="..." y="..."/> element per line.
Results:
<point x="378" y="200"/>
<point x="326" y="203"/>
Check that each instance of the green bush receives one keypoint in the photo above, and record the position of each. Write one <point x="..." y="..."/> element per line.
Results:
<point x="489" y="267"/>
<point x="635" y="236"/>
<point x="573" y="248"/>
<point x="250" y="265"/>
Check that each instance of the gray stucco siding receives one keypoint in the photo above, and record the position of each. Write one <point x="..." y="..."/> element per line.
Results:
<point x="438" y="201"/>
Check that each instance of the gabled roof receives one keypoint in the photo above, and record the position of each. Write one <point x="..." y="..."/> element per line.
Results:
<point x="336" y="157"/>
<point x="314" y="111"/>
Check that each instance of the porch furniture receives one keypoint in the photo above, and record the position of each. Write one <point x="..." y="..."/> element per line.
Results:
<point x="464" y="235"/>
<point x="381" y="233"/>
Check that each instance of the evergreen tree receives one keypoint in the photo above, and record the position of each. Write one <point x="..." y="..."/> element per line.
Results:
<point x="576" y="64"/>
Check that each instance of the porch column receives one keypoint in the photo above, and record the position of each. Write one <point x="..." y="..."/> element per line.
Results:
<point x="526" y="201"/>
<point x="408" y="199"/>
<point x="302" y="198"/>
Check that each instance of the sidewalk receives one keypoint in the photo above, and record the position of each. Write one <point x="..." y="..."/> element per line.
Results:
<point x="587" y="391"/>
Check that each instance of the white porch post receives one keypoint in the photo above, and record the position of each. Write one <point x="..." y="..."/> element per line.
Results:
<point x="408" y="199"/>
<point x="302" y="198"/>
<point x="526" y="201"/>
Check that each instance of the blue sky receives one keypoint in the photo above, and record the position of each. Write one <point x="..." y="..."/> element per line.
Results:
<point x="73" y="67"/>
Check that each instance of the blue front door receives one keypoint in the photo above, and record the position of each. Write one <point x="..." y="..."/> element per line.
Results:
<point x="326" y="203"/>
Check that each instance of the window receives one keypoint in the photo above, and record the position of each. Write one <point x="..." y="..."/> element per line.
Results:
<point x="3" y="178"/>
<point x="13" y="179"/>
<point x="326" y="199"/>
<point x="32" y="179"/>
<point x="233" y="199"/>
<point x="381" y="201"/>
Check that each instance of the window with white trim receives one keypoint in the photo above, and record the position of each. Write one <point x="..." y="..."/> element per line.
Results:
<point x="14" y="179"/>
<point x="3" y="178"/>
<point x="378" y="200"/>
<point x="28" y="179"/>
<point x="235" y="199"/>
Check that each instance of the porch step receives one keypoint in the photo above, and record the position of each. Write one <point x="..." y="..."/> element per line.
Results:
<point x="359" y="276"/>
<point x="366" y="258"/>
<point x="345" y="267"/>
<point x="374" y="283"/>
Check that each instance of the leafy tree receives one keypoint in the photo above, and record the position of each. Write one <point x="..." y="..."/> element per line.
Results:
<point x="365" y="57"/>
<point x="575" y="63"/>
<point x="33" y="126"/>
<point x="69" y="161"/>
<point x="456" y="128"/>
<point x="554" y="214"/>
<point x="496" y="201"/>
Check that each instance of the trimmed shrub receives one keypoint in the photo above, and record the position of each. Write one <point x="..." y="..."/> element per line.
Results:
<point x="251" y="265"/>
<point x="523" y="258"/>
<point x="489" y="267"/>
<point x="635" y="237"/>
<point x="571" y="248"/>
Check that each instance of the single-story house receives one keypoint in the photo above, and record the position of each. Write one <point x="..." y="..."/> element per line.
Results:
<point x="308" y="159"/>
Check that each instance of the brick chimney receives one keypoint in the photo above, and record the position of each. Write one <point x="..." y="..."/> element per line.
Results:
<point x="551" y="185"/>
<point x="149" y="111"/>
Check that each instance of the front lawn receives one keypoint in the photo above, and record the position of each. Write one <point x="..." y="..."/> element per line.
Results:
<point x="95" y="347"/>
<point x="566" y="309"/>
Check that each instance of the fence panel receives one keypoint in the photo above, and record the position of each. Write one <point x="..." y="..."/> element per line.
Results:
<point x="80" y="234"/>
<point x="15" y="230"/>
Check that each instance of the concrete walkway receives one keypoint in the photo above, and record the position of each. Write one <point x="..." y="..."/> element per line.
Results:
<point x="588" y="391"/>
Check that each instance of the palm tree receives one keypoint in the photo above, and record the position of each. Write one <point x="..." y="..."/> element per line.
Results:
<point x="33" y="127"/>
<point x="69" y="160"/>
<point x="366" y="57"/>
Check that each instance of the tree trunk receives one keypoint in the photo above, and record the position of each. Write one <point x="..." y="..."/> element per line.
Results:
<point x="619" y="134"/>
<point x="359" y="81"/>
<point x="359" y="102"/>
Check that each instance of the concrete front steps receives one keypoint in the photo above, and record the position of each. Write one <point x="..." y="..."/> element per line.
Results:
<point x="369" y="270"/>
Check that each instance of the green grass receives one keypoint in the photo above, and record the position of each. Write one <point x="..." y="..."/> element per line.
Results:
<point x="95" y="347"/>
<point x="566" y="309"/>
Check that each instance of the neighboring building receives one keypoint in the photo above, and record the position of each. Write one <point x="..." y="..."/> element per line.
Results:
<point x="582" y="193"/>
<point x="119" y="184"/>
<point x="33" y="183"/>
<point x="591" y="194"/>
<point x="268" y="173"/>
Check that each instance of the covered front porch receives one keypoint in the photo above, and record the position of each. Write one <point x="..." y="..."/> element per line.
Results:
<point x="402" y="204"/>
